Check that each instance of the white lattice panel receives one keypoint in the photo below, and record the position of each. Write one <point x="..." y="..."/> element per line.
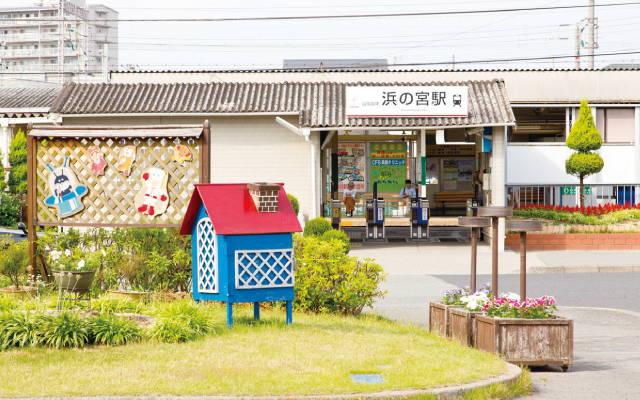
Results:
<point x="264" y="268"/>
<point x="207" y="257"/>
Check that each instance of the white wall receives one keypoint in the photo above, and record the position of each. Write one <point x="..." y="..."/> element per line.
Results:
<point x="529" y="163"/>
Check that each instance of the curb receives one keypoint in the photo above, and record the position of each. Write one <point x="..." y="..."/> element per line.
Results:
<point x="442" y="393"/>
<point x="635" y="314"/>
<point x="584" y="269"/>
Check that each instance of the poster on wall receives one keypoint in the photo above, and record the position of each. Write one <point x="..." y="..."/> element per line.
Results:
<point x="450" y="174"/>
<point x="351" y="165"/>
<point x="465" y="170"/>
<point x="388" y="166"/>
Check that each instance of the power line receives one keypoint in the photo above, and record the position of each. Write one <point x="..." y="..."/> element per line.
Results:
<point x="308" y="17"/>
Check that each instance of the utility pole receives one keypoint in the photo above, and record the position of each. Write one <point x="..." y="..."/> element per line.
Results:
<point x="61" y="41"/>
<point x="591" y="38"/>
<point x="577" y="66"/>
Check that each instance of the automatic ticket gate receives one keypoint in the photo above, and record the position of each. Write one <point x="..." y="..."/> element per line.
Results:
<point x="419" y="229"/>
<point x="375" y="217"/>
<point x="336" y="207"/>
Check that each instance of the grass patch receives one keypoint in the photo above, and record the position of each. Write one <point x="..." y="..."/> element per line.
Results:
<point x="316" y="355"/>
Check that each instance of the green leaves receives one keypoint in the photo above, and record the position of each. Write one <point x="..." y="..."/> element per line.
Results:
<point x="14" y="259"/>
<point x="10" y="208"/>
<point x="327" y="280"/>
<point x="583" y="164"/>
<point x="111" y="330"/>
<point x="18" y="162"/>
<point x="65" y="329"/>
<point x="294" y="203"/>
<point x="317" y="227"/>
<point x="584" y="135"/>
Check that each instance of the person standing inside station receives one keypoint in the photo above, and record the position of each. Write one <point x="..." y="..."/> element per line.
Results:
<point x="406" y="194"/>
<point x="349" y="198"/>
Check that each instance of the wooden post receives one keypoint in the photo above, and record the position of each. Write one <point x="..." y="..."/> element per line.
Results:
<point x="474" y="223"/>
<point x="32" y="199"/>
<point x="256" y="311"/>
<point x="474" y="256"/>
<point x="494" y="256"/>
<point x="523" y="266"/>
<point x="205" y="152"/>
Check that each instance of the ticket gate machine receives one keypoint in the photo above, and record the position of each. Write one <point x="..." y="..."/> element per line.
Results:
<point x="336" y="207"/>
<point x="375" y="217"/>
<point x="419" y="230"/>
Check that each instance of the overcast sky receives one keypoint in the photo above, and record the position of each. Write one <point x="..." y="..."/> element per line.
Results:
<point x="401" y="40"/>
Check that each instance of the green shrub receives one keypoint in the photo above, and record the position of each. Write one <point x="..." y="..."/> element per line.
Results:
<point x="327" y="280"/>
<point x="10" y="210"/>
<point x="110" y="330"/>
<point x="170" y="330"/>
<point x="65" y="329"/>
<point x="20" y="329"/>
<point x="195" y="316"/>
<point x="335" y="234"/>
<point x="317" y="227"/>
<point x="14" y="260"/>
<point x="18" y="162"/>
<point x="294" y="203"/>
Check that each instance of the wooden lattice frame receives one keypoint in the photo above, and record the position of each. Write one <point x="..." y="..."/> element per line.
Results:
<point x="110" y="201"/>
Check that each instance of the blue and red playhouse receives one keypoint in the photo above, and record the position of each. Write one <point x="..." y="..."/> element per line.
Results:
<point x="242" y="244"/>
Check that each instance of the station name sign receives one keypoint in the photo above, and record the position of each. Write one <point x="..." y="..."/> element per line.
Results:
<point x="407" y="101"/>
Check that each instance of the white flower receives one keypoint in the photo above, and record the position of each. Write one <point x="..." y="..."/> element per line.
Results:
<point x="55" y="255"/>
<point x="472" y="305"/>
<point x="104" y="253"/>
<point x="81" y="264"/>
<point x="67" y="252"/>
<point x="511" y="296"/>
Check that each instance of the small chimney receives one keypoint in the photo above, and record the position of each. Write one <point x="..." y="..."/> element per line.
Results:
<point x="264" y="195"/>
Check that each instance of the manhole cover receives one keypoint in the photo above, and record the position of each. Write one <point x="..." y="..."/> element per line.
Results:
<point x="366" y="379"/>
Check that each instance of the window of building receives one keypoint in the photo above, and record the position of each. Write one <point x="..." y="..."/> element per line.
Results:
<point x="616" y="125"/>
<point x="99" y="15"/>
<point x="99" y="30"/>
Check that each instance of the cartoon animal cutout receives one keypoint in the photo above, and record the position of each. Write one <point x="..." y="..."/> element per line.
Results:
<point x="97" y="160"/>
<point x="66" y="193"/>
<point x="153" y="198"/>
<point x="127" y="157"/>
<point x="181" y="153"/>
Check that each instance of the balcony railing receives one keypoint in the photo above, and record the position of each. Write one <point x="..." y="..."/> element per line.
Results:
<point x="51" y="52"/>
<point x="40" y="67"/>
<point x="29" y="37"/>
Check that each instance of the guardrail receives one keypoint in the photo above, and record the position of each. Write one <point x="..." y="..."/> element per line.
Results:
<point x="567" y="195"/>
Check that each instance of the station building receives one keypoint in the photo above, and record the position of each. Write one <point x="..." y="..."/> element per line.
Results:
<point x="296" y="127"/>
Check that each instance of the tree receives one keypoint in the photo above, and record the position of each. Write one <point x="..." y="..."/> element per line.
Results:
<point x="584" y="138"/>
<point x="18" y="161"/>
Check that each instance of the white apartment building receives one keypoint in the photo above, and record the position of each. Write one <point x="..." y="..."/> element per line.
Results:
<point x="30" y="38"/>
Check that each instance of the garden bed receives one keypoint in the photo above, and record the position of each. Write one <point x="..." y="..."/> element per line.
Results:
<point x="462" y="326"/>
<point x="315" y="355"/>
<point x="440" y="318"/>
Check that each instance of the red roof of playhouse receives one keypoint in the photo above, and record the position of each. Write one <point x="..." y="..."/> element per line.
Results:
<point x="233" y="212"/>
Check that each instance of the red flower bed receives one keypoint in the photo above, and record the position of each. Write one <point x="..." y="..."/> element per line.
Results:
<point x="595" y="211"/>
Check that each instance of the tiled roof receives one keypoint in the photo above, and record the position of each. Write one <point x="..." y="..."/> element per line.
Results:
<point x="27" y="97"/>
<point x="319" y="104"/>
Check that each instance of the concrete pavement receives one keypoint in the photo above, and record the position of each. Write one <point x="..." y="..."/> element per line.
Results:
<point x="606" y="342"/>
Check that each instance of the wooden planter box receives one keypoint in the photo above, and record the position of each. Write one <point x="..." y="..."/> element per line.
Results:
<point x="462" y="326"/>
<point x="527" y="341"/>
<point x="439" y="317"/>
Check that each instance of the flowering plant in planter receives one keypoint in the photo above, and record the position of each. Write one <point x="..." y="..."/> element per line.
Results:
<point x="453" y="297"/>
<point x="508" y="306"/>
<point x="75" y="260"/>
<point x="476" y="301"/>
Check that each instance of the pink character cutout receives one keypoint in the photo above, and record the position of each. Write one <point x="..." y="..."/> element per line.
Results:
<point x="97" y="160"/>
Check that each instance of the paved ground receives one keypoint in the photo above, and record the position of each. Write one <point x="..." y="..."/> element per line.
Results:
<point x="606" y="342"/>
